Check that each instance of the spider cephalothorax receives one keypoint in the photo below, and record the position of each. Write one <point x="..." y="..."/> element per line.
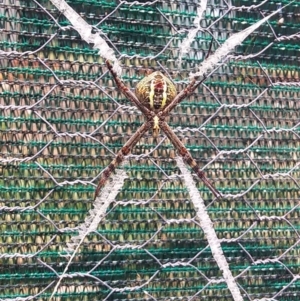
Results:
<point x="155" y="97"/>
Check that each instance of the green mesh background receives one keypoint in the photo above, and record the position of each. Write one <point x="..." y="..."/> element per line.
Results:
<point x="58" y="132"/>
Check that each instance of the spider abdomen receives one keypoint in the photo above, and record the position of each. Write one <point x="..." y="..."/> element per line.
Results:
<point x="155" y="91"/>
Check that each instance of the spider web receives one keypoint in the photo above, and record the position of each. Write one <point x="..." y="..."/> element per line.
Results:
<point x="158" y="233"/>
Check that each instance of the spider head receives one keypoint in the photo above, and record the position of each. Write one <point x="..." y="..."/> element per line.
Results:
<point x="155" y="91"/>
<point x="156" y="128"/>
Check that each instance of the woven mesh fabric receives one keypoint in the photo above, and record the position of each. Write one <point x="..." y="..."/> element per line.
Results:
<point x="58" y="132"/>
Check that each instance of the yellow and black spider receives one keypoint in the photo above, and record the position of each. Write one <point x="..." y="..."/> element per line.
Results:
<point x="155" y="96"/>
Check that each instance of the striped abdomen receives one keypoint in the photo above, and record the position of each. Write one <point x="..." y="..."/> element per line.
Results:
<point x="155" y="92"/>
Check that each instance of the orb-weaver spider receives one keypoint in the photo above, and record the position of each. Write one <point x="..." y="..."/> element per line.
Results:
<point x="155" y="96"/>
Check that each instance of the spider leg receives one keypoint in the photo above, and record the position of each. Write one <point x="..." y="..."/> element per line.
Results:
<point x="126" y="91"/>
<point x="187" y="157"/>
<point x="188" y="90"/>
<point x="134" y="139"/>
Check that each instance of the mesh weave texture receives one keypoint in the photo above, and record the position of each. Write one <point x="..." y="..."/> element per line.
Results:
<point x="62" y="119"/>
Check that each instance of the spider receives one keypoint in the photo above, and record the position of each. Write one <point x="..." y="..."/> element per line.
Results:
<point x="155" y="96"/>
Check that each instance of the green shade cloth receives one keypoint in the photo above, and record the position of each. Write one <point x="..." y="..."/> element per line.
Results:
<point x="62" y="120"/>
